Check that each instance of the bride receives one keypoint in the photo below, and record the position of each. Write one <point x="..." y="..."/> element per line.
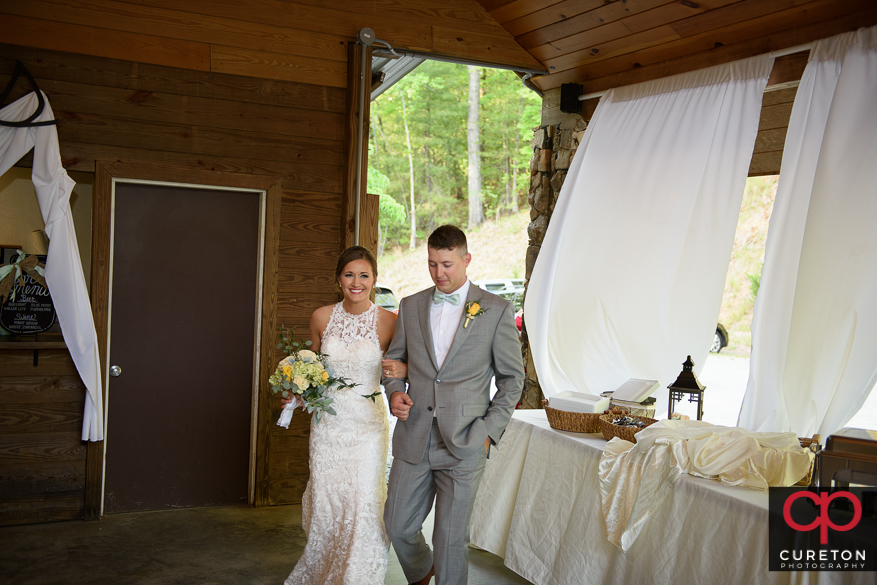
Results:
<point x="343" y="504"/>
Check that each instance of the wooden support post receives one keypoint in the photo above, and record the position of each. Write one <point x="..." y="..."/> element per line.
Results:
<point x="355" y="79"/>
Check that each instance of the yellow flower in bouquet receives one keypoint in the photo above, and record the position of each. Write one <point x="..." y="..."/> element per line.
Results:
<point x="303" y="373"/>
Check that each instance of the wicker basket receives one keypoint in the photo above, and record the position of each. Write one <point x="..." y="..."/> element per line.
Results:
<point x="646" y="410"/>
<point x="575" y="422"/>
<point x="627" y="433"/>
<point x="814" y="445"/>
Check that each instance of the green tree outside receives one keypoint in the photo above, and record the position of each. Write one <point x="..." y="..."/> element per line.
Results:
<point x="435" y="111"/>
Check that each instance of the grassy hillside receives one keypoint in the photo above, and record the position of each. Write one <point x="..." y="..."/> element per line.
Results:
<point x="498" y="249"/>
<point x="746" y="259"/>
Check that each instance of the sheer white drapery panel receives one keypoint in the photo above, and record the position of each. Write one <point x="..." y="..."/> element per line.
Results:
<point x="630" y="275"/>
<point x="814" y="328"/>
<point x="64" y="274"/>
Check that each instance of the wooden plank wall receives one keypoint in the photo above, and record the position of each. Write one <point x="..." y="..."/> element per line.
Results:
<point x="776" y="108"/>
<point x="113" y="110"/>
<point x="304" y="40"/>
<point x="42" y="460"/>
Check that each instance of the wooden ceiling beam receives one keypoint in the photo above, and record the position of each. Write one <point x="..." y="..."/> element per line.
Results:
<point x="489" y="5"/>
<point x="614" y="48"/>
<point x="575" y="33"/>
<point x="708" y="40"/>
<point x="580" y="24"/>
<point x="640" y="24"/>
<point x="486" y="47"/>
<point x="676" y="12"/>
<point x="552" y="16"/>
<point x="603" y="34"/>
<point x="581" y="47"/>
<point x="515" y="9"/>
<point x="696" y="53"/>
<point x="725" y="16"/>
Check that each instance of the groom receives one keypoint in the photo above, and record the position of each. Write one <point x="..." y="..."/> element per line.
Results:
<point x="454" y="337"/>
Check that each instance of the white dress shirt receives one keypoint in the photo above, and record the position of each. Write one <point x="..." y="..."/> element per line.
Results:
<point x="444" y="319"/>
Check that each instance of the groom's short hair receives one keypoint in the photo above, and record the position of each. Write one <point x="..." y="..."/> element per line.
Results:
<point x="448" y="237"/>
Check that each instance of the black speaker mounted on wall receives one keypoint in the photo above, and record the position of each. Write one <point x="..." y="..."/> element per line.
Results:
<point x="569" y="98"/>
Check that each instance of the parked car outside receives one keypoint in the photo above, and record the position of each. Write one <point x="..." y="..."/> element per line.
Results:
<point x="511" y="289"/>
<point x="385" y="298"/>
<point x="720" y="340"/>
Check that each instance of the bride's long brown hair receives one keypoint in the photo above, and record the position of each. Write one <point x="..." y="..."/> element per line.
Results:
<point x="349" y="255"/>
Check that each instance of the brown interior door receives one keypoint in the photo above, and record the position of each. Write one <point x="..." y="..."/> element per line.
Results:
<point x="182" y="331"/>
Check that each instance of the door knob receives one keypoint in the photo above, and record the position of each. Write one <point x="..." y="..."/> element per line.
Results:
<point x="115" y="371"/>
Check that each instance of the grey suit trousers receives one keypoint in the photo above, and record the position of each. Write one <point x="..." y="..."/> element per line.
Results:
<point x="453" y="483"/>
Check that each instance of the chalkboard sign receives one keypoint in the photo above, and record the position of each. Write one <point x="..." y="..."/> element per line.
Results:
<point x="32" y="310"/>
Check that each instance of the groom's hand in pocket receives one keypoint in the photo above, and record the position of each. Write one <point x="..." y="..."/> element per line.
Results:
<point x="400" y="404"/>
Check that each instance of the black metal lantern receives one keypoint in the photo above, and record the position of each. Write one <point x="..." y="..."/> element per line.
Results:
<point x="687" y="383"/>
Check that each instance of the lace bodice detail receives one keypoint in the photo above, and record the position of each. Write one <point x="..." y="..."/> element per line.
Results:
<point x="349" y="328"/>
<point x="353" y="347"/>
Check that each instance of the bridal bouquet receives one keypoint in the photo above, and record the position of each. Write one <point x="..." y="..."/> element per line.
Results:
<point x="305" y="376"/>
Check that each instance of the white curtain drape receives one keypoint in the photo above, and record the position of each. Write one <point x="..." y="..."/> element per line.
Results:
<point x="814" y="328"/>
<point x="630" y="275"/>
<point x="63" y="266"/>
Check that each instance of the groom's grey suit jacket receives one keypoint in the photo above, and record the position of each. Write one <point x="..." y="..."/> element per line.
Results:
<point x="459" y="391"/>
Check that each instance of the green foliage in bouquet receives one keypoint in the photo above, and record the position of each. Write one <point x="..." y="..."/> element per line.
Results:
<point x="306" y="374"/>
<point x="289" y="343"/>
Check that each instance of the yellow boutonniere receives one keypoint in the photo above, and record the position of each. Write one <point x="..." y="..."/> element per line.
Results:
<point x="472" y="310"/>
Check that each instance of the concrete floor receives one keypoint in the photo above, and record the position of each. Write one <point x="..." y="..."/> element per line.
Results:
<point x="232" y="545"/>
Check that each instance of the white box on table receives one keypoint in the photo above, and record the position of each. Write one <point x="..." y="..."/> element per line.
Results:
<point x="578" y="402"/>
<point x="635" y="390"/>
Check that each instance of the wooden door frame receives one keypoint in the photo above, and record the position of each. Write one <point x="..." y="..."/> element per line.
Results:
<point x="105" y="173"/>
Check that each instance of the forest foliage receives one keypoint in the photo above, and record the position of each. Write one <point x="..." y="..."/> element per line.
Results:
<point x="418" y="137"/>
<point x="747" y="260"/>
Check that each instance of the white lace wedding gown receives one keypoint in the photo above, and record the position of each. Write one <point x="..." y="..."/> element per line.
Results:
<point x="343" y="504"/>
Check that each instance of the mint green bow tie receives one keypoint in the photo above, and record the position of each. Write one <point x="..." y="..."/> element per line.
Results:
<point x="440" y="297"/>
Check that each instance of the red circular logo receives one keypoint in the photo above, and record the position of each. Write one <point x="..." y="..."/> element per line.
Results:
<point x="823" y="522"/>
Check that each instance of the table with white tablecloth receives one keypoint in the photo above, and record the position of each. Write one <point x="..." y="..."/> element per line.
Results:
<point x="538" y="507"/>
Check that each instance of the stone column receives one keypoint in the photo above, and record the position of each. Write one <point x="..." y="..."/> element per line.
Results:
<point x="553" y="148"/>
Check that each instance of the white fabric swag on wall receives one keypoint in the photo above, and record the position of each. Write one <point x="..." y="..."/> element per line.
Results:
<point x="630" y="275"/>
<point x="814" y="328"/>
<point x="63" y="266"/>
